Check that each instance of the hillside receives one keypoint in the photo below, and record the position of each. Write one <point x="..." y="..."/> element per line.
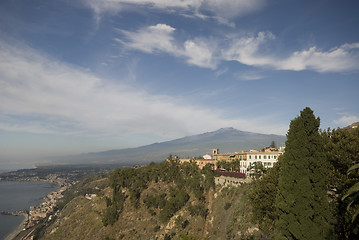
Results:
<point x="352" y="126"/>
<point x="170" y="206"/>
<point x="226" y="139"/>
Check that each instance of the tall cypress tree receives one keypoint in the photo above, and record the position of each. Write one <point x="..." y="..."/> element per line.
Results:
<point x="302" y="203"/>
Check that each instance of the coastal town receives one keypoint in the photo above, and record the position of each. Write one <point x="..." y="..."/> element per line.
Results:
<point x="61" y="178"/>
<point x="46" y="211"/>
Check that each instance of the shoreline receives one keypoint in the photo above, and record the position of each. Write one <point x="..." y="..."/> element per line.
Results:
<point x="19" y="228"/>
<point x="22" y="227"/>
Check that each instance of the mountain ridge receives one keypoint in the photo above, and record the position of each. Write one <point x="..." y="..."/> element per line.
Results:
<point x="226" y="139"/>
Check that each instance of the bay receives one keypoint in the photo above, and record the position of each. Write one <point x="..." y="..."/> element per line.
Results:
<point x="19" y="196"/>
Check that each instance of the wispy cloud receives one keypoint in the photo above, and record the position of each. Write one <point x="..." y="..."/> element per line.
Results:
<point x="338" y="59"/>
<point x="252" y="50"/>
<point x="151" y="39"/>
<point x="248" y="76"/>
<point x="246" y="49"/>
<point x="222" y="71"/>
<point x="159" y="38"/>
<point x="42" y="95"/>
<point x="223" y="11"/>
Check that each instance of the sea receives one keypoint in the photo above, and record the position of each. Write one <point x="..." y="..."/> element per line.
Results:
<point x="19" y="196"/>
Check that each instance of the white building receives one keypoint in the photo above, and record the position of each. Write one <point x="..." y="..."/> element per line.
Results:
<point x="268" y="159"/>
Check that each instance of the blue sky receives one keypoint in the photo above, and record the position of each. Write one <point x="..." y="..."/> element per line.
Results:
<point x="91" y="75"/>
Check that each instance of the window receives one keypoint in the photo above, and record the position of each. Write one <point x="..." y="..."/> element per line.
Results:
<point x="250" y="157"/>
<point x="275" y="157"/>
<point x="255" y="156"/>
<point x="264" y="157"/>
<point x="259" y="156"/>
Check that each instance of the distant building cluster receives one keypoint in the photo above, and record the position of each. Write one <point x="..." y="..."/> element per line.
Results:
<point x="45" y="209"/>
<point x="246" y="160"/>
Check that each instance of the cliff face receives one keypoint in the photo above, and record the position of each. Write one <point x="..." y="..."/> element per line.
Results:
<point x="227" y="216"/>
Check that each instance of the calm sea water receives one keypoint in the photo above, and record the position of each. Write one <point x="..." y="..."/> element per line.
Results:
<point x="18" y="196"/>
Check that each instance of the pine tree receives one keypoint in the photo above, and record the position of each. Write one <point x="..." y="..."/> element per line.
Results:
<point x="302" y="202"/>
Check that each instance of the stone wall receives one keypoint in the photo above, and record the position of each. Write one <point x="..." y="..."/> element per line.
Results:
<point x="226" y="181"/>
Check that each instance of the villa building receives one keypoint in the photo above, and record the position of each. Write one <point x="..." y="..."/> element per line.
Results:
<point x="216" y="156"/>
<point x="199" y="162"/>
<point x="267" y="158"/>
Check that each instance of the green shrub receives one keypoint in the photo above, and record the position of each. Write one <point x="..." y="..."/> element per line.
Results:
<point x="110" y="216"/>
<point x="178" y="198"/>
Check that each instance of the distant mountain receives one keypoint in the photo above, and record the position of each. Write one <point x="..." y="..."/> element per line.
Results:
<point x="226" y="139"/>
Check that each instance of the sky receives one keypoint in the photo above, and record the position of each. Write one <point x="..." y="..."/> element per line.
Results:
<point x="80" y="76"/>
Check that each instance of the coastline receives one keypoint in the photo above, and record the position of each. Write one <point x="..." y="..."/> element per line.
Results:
<point x="19" y="228"/>
<point x="23" y="225"/>
<point x="39" y="209"/>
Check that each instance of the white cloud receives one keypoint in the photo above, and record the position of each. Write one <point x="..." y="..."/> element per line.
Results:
<point x="41" y="95"/>
<point x="338" y="59"/>
<point x="246" y="50"/>
<point x="254" y="51"/>
<point x="347" y="120"/>
<point x="200" y="53"/>
<point x="151" y="39"/>
<point x="159" y="38"/>
<point x="222" y="10"/>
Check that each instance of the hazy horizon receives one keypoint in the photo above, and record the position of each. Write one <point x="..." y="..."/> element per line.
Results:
<point x="16" y="164"/>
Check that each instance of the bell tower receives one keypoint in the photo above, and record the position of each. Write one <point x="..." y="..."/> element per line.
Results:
<point x="215" y="151"/>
